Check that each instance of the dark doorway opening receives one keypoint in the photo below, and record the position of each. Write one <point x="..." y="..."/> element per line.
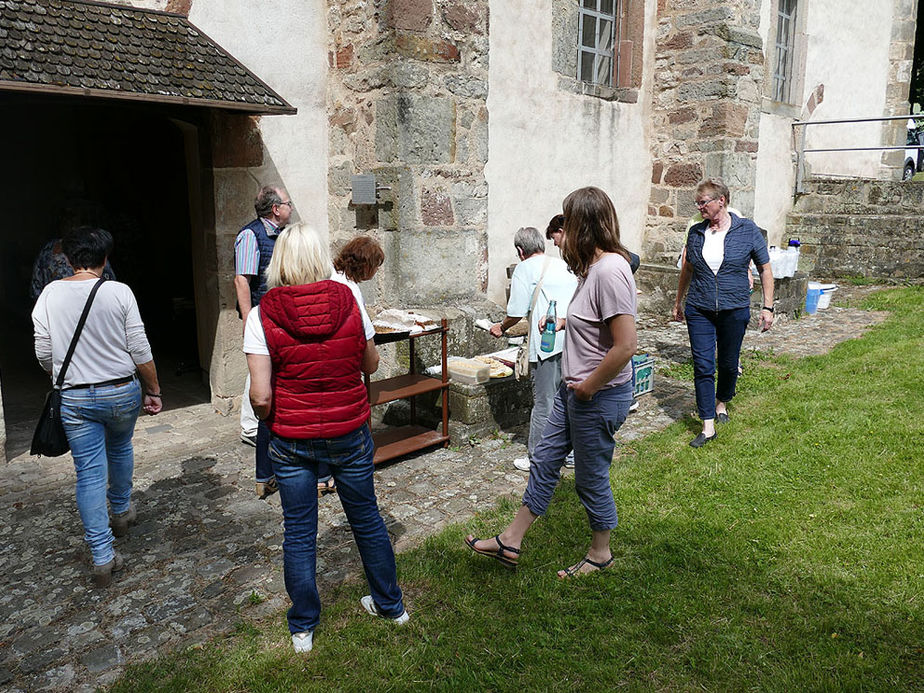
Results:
<point x="123" y="168"/>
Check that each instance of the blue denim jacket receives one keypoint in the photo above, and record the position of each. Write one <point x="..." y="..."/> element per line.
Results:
<point x="729" y="288"/>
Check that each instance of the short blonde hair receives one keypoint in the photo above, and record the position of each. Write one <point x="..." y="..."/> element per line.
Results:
<point x="299" y="257"/>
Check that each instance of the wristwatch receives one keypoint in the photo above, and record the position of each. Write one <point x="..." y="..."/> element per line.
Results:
<point x="769" y="308"/>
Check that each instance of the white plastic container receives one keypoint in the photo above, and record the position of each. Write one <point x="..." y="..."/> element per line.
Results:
<point x="792" y="261"/>
<point x="827" y="291"/>
<point x="468" y="371"/>
<point x="777" y="262"/>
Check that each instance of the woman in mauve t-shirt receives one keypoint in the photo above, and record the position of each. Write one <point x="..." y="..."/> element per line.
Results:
<point x="596" y="391"/>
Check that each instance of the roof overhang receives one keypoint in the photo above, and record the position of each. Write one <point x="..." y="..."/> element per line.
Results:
<point x="100" y="50"/>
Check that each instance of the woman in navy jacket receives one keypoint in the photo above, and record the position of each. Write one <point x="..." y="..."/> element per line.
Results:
<point x="714" y="277"/>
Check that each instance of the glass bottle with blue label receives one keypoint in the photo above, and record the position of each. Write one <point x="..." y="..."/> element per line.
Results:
<point x="547" y="343"/>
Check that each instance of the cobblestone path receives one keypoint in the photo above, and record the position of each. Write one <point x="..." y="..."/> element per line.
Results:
<point x="204" y="544"/>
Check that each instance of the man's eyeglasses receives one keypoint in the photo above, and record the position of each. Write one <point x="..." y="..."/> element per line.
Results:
<point x="702" y="203"/>
<point x="286" y="202"/>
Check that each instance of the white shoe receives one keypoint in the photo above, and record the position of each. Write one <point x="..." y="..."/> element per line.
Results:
<point x="634" y="405"/>
<point x="302" y="642"/>
<point x="569" y="461"/>
<point x="370" y="606"/>
<point x="522" y="463"/>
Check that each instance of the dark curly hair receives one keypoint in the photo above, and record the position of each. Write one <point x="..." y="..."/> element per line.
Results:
<point x="360" y="258"/>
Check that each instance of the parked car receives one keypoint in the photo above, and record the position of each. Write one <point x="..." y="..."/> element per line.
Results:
<point x="914" y="158"/>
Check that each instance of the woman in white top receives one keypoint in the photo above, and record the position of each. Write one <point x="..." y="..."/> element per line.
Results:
<point x="101" y="396"/>
<point x="714" y="278"/>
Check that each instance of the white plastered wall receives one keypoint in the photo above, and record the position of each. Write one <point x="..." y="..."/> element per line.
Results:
<point x="284" y="43"/>
<point x="847" y="51"/>
<point x="545" y="142"/>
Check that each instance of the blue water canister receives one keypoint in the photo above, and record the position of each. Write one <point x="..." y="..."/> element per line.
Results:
<point x="811" y="298"/>
<point x="547" y="343"/>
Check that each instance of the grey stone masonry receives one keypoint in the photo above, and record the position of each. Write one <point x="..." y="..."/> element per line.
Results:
<point x="866" y="228"/>
<point x="709" y="67"/>
<point x="407" y="98"/>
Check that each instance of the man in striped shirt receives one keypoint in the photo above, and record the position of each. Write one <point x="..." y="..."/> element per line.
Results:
<point x="252" y="252"/>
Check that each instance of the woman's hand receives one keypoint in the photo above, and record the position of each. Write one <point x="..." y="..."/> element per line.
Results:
<point x="583" y="391"/>
<point x="152" y="404"/>
<point x="559" y="324"/>
<point x="766" y="320"/>
<point x="677" y="313"/>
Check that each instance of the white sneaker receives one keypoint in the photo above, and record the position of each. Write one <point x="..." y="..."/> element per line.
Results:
<point x="521" y="463"/>
<point x="634" y="405"/>
<point x="569" y="461"/>
<point x="370" y="606"/>
<point x="302" y="642"/>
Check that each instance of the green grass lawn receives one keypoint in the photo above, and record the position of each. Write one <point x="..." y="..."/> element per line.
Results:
<point x="786" y="556"/>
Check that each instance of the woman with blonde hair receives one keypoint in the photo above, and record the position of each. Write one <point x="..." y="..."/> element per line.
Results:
<point x="596" y="391"/>
<point x="306" y="349"/>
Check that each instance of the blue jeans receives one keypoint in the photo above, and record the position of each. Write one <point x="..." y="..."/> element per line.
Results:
<point x="710" y="332"/>
<point x="546" y="381"/>
<point x="589" y="428"/>
<point x="264" y="467"/>
<point x="295" y="463"/>
<point x="99" y="423"/>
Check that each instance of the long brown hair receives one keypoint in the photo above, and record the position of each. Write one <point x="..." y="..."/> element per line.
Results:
<point x="590" y="223"/>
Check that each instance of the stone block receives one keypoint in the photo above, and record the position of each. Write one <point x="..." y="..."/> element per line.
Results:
<point x="679" y="41"/>
<point x="435" y="208"/>
<point x="467" y="86"/>
<point x="406" y="75"/>
<point x="427" y="49"/>
<point x="415" y="129"/>
<point x="681" y="115"/>
<point x="727" y="119"/>
<point x="400" y="210"/>
<point x="702" y="91"/>
<point x="472" y="211"/>
<point x="409" y="15"/>
<point x="657" y="168"/>
<point x="498" y="403"/>
<point x="711" y="16"/>
<point x="683" y="175"/>
<point x="435" y="265"/>
<point x="461" y="17"/>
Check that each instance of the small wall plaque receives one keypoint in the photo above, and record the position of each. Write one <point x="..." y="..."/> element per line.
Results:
<point x="364" y="189"/>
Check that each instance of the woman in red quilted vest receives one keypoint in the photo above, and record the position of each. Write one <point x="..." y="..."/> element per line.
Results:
<point x="306" y="350"/>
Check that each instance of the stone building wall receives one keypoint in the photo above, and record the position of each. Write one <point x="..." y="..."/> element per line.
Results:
<point x="901" y="64"/>
<point x="867" y="228"/>
<point x="709" y="67"/>
<point x="406" y="99"/>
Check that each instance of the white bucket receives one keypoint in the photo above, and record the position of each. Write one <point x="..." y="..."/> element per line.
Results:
<point x="824" y="300"/>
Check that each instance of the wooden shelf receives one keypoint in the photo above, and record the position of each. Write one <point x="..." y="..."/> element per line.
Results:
<point x="403" y="440"/>
<point x="401" y="387"/>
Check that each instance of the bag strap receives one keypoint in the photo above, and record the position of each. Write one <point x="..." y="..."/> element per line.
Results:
<point x="80" y="323"/>
<point x="532" y="305"/>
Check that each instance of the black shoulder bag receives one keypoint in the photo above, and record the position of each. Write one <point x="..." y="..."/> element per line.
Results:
<point x="49" y="438"/>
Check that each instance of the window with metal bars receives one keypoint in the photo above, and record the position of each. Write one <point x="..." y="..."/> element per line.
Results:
<point x="596" y="41"/>
<point x="785" y="44"/>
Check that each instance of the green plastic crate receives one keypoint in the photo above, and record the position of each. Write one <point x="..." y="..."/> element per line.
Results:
<point x="643" y="365"/>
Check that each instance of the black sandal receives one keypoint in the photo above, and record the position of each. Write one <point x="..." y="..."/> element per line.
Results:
<point x="326" y="487"/>
<point x="576" y="568"/>
<point x="497" y="555"/>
